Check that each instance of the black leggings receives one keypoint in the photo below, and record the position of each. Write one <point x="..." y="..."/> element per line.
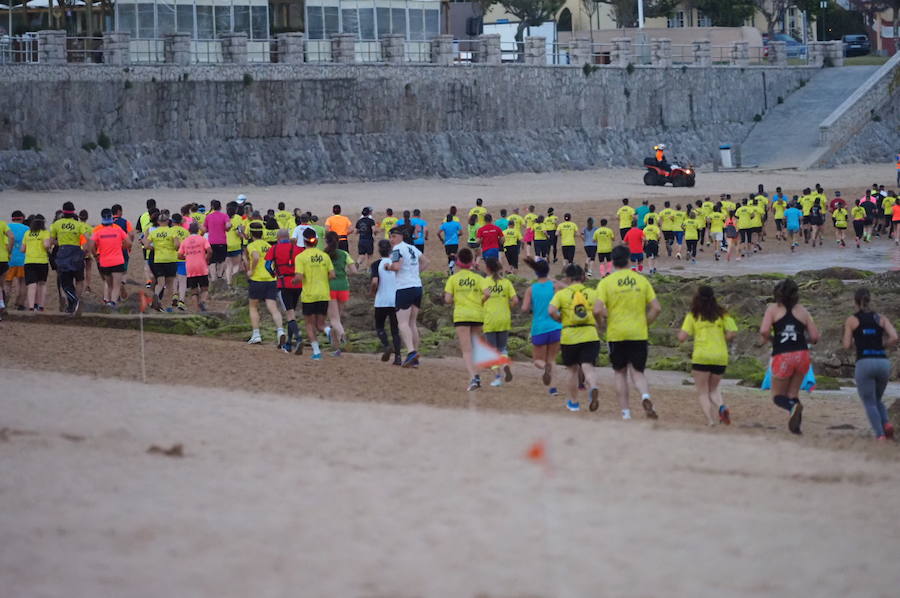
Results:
<point x="692" y="247"/>
<point x="383" y="314"/>
<point x="859" y="228"/>
<point x="552" y="240"/>
<point x="67" y="284"/>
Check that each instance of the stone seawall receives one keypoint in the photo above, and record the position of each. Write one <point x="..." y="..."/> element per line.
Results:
<point x="201" y="126"/>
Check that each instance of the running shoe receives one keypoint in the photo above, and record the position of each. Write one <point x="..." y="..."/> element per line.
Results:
<point x="255" y="340"/>
<point x="286" y="347"/>
<point x="317" y="357"/>
<point x="282" y="338"/>
<point x="724" y="415"/>
<point x="497" y="381"/>
<point x="181" y="306"/>
<point x="693" y="260"/>
<point x="385" y="353"/>
<point x="889" y="430"/>
<point x="553" y="392"/>
<point x="548" y="370"/>
<point x="299" y="349"/>
<point x="397" y="360"/>
<point x="573" y="405"/>
<point x="474" y="384"/>
<point x="411" y="358"/>
<point x="595" y="399"/>
<point x="647" y="404"/>
<point x="796" y="418"/>
<point x="626" y="414"/>
<point x="336" y="353"/>
<point x="507" y="371"/>
<point x="678" y="255"/>
<point x="328" y="333"/>
<point x="149" y="284"/>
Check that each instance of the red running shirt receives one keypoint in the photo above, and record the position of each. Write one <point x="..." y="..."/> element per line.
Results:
<point x="635" y="240"/>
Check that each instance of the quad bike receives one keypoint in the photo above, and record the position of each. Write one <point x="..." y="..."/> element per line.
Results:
<point x="659" y="175"/>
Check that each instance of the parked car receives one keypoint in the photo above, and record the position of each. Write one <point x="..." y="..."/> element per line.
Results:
<point x="856" y="45"/>
<point x="795" y="49"/>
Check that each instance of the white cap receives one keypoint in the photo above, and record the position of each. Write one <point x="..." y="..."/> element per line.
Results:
<point x="241" y="198"/>
<point x="662" y="146"/>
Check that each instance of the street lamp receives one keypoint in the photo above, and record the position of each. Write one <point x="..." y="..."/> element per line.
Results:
<point x="640" y="14"/>
<point x="823" y="4"/>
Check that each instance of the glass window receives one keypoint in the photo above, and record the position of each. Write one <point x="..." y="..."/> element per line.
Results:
<point x="128" y="18"/>
<point x="205" y="22"/>
<point x="676" y="20"/>
<point x="146" y="21"/>
<point x="332" y="21"/>
<point x="242" y="19"/>
<point x="432" y="23"/>
<point x="260" y="22"/>
<point x="384" y="21"/>
<point x="349" y="21"/>
<point x="703" y="20"/>
<point x="165" y="18"/>
<point x="185" y="14"/>
<point x="223" y="19"/>
<point x="367" y="23"/>
<point x="416" y="24"/>
<point x="315" y="27"/>
<point x="398" y="21"/>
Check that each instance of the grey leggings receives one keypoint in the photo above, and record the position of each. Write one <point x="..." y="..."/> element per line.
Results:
<point x="497" y="340"/>
<point x="871" y="379"/>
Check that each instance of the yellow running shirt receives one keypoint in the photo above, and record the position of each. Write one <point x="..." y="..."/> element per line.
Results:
<point x="232" y="238"/>
<point x="858" y="213"/>
<point x="576" y="330"/>
<point x="551" y="222"/>
<point x="497" y="316"/>
<point x="604" y="237"/>
<point x="479" y="213"/>
<point x="651" y="233"/>
<point x="887" y="204"/>
<point x="259" y="273"/>
<point x="626" y="295"/>
<point x="626" y="216"/>
<point x="516" y="222"/>
<point x="651" y="218"/>
<point x="779" y="206"/>
<point x="745" y="217"/>
<point x="716" y="222"/>
<point x="667" y="216"/>
<point x="678" y="219"/>
<point x="567" y="231"/>
<point x="710" y="347"/>
<point x="840" y="217"/>
<point x="806" y="204"/>
<point x="68" y="231"/>
<point x="540" y="231"/>
<point x="179" y="234"/>
<point x="530" y="219"/>
<point x="467" y="289"/>
<point x="35" y="252"/>
<point x="163" y="240"/>
<point x="387" y="223"/>
<point x="4" y="242"/>
<point x="285" y="219"/>
<point x="511" y="236"/>
<point x="314" y="265"/>
<point x="691" y="229"/>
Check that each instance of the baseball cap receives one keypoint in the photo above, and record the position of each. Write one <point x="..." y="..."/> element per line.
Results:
<point x="201" y="208"/>
<point x="309" y="236"/>
<point x="106" y="216"/>
<point x="396" y="231"/>
<point x="256" y="225"/>
<point x="241" y="198"/>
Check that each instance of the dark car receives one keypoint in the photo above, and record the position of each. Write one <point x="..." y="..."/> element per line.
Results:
<point x="856" y="45"/>
<point x="795" y="49"/>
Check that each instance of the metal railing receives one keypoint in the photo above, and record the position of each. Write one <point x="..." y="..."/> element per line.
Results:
<point x="206" y="51"/>
<point x="368" y="50"/>
<point x="418" y="52"/>
<point x="317" y="50"/>
<point x="18" y="49"/>
<point x="262" y="51"/>
<point x="84" y="50"/>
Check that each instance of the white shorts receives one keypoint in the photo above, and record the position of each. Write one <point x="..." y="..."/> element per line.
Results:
<point x="716" y="236"/>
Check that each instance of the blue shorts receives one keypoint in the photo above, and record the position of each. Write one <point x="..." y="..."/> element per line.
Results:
<point x="546" y="338"/>
<point x="491" y="253"/>
<point x="235" y="253"/>
<point x="637" y="257"/>
<point x="182" y="269"/>
<point x="679" y="236"/>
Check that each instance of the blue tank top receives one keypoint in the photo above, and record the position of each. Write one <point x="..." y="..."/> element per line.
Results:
<point x="541" y="294"/>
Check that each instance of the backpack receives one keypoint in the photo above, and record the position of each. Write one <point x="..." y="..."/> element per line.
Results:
<point x="581" y="308"/>
<point x="731" y="232"/>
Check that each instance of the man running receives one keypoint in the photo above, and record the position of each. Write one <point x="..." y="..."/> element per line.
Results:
<point x="341" y="225"/>
<point x="448" y="234"/>
<point x="793" y="216"/>
<point x="313" y="270"/>
<point x="261" y="286"/>
<point x="111" y="244"/>
<point x="281" y="259"/>
<point x="626" y="218"/>
<point x="634" y="238"/>
<point x="197" y="252"/>
<point x="478" y="211"/>
<point x="365" y="230"/>
<point x="407" y="262"/>
<point x="217" y="224"/>
<point x="66" y="234"/>
<point x="629" y="306"/>
<point x="490" y="236"/>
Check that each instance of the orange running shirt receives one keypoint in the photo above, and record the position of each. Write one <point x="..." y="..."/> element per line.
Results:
<point x="108" y="240"/>
<point x="339" y="224"/>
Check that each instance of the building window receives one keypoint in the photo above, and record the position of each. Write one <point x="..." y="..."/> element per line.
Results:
<point x="703" y="20"/>
<point x="676" y="21"/>
<point x="564" y="23"/>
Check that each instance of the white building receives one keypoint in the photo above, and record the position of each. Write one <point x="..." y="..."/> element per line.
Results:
<point x="418" y="20"/>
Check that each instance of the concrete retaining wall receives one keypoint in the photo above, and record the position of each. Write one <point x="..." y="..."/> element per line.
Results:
<point x="199" y="126"/>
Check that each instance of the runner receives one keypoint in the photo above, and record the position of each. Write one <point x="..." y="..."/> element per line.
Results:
<point x="65" y="234"/>
<point x="143" y="227"/>
<point x="895" y="220"/>
<point x="84" y="286"/>
<point x="284" y="218"/>
<point x="499" y="298"/>
<point x="792" y="219"/>
<point x="817" y="221"/>
<point x="590" y="246"/>
<point x="788" y="326"/>
<point x="869" y="205"/>
<point x="745" y="229"/>
<point x="806" y="202"/>
<point x="528" y="237"/>
<point x="625" y="214"/>
<point x="604" y="236"/>
<point x="314" y="271"/>
<point x="179" y="232"/>
<point x="261" y="286"/>
<point x="465" y="290"/>
<point x="872" y="334"/>
<point x="712" y="329"/>
<point x="110" y="245"/>
<point x="365" y="245"/>
<point x="629" y="306"/>
<point x="234" y="243"/>
<point x="341" y="263"/>
<point x="678" y="216"/>
<point x="839" y="218"/>
<point x="858" y="213"/>
<point x="490" y="236"/>
<point x="503" y="221"/>
<point x="541" y="244"/>
<point x="407" y="262"/>
<point x="270" y="232"/>
<point x="640" y="213"/>
<point x="667" y="220"/>
<point x="567" y="230"/>
<point x="36" y="245"/>
<point x="634" y="238"/>
<point x="545" y="331"/>
<point x="448" y="234"/>
<point x="383" y="286"/>
<point x="388" y="222"/>
<point x="297" y="234"/>
<point x="472" y="235"/>
<point x="575" y="307"/>
<point x="478" y="211"/>
<point x="280" y="261"/>
<point x="651" y="246"/>
<point x="217" y="224"/>
<point x="551" y="221"/>
<point x="198" y="253"/>
<point x="7" y="239"/>
<point x="887" y="205"/>
<point x="692" y="226"/>
<point x="421" y="227"/>
<point x="716" y="219"/>
<point x="14" y="281"/>
<point x="512" y="239"/>
<point x="779" y="205"/>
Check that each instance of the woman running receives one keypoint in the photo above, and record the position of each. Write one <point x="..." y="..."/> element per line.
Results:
<point x="839" y="218"/>
<point x="36" y="246"/>
<point x="465" y="290"/>
<point x="383" y="287"/>
<point x="472" y="237"/>
<point x="545" y="331"/>
<point x="234" y="239"/>
<point x="872" y="334"/>
<point x="590" y="246"/>
<point x="817" y="221"/>
<point x="499" y="297"/>
<point x="512" y="240"/>
<point x="712" y="329"/>
<point x="604" y="236"/>
<point x="340" y="290"/>
<point x="692" y="226"/>
<point x="566" y="232"/>
<point x="858" y="213"/>
<point x="541" y="243"/>
<point x="731" y="235"/>
<point x="789" y="327"/>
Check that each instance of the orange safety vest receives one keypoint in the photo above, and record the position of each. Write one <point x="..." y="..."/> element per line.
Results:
<point x="661" y="154"/>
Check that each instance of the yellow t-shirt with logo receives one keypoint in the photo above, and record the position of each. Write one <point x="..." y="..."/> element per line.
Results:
<point x="4" y="242"/>
<point x="858" y="212"/>
<point x="530" y="219"/>
<point x="756" y="217"/>
<point x="387" y="223"/>
<point x="285" y="219"/>
<point x="626" y="295"/>
<point x="259" y="273"/>
<point x="35" y="252"/>
<point x="691" y="227"/>
<point x="270" y="235"/>
<point x="887" y="203"/>
<point x="678" y="218"/>
<point x="540" y="231"/>
<point x="745" y="217"/>
<point x="716" y="222"/>
<point x="651" y="232"/>
<point x="314" y="265"/>
<point x="604" y="237"/>
<point x="68" y="231"/>
<point x="626" y="216"/>
<point x="840" y="217"/>
<point x="651" y="218"/>
<point x="728" y="206"/>
<point x="511" y="236"/>
<point x="667" y="217"/>
<point x="567" y="231"/>
<point x="576" y="330"/>
<point x="478" y="212"/>
<point x="710" y="347"/>
<point x="516" y="222"/>
<point x="163" y="240"/>
<point x="806" y="204"/>
<point x="179" y="234"/>
<point x="551" y="222"/>
<point x="779" y="206"/>
<point x="467" y="289"/>
<point x="232" y="238"/>
<point x="497" y="314"/>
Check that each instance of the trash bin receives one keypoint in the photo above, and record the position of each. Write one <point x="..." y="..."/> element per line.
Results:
<point x="726" y="155"/>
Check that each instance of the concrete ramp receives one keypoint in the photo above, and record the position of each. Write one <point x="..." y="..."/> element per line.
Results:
<point x="788" y="135"/>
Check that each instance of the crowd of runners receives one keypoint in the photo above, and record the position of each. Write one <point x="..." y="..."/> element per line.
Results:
<point x="295" y="263"/>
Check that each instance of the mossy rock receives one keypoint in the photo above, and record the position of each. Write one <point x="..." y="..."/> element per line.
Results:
<point x="752" y="380"/>
<point x="663" y="337"/>
<point x="746" y="368"/>
<point x="671" y="364"/>
<point x="518" y="348"/>
<point x="837" y="272"/>
<point x="827" y="383"/>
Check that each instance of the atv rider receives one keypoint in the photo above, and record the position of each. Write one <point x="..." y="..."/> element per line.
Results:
<point x="661" y="157"/>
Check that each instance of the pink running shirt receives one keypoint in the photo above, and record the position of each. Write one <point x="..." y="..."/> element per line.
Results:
<point x="194" y="251"/>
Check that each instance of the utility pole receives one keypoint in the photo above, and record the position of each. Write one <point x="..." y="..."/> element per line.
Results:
<point x="640" y="14"/>
<point x="823" y="5"/>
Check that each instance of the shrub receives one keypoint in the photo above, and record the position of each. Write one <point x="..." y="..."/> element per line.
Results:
<point x="103" y="140"/>
<point x="757" y="117"/>
<point x="89" y="146"/>
<point x="629" y="68"/>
